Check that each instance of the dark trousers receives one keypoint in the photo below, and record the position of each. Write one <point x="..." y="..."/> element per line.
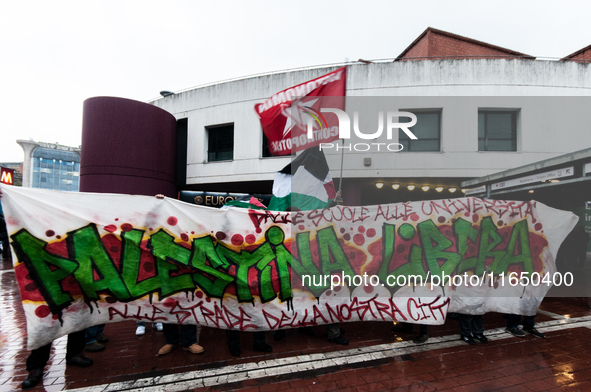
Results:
<point x="38" y="357"/>
<point x="407" y="327"/>
<point x="93" y="332"/>
<point x="514" y="319"/>
<point x="471" y="325"/>
<point x="186" y="337"/>
<point x="234" y="339"/>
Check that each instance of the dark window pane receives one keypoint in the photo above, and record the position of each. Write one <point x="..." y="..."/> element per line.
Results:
<point x="481" y="125"/>
<point x="220" y="143"/>
<point x="424" y="145"/>
<point x="266" y="152"/>
<point x="499" y="125"/>
<point x="426" y="130"/>
<point x="500" y="145"/>
<point x="481" y="145"/>
<point x="427" y="126"/>
<point x="497" y="131"/>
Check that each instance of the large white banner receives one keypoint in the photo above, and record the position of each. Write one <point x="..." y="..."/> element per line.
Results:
<point x="83" y="259"/>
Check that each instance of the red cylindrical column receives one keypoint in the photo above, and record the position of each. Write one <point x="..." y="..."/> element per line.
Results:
<point x="127" y="147"/>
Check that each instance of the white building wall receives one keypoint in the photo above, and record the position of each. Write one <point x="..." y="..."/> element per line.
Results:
<point x="427" y="84"/>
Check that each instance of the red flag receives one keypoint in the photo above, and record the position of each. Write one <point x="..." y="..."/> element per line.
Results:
<point x="285" y="116"/>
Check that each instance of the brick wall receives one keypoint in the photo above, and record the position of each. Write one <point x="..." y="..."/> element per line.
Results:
<point x="584" y="56"/>
<point x="450" y="47"/>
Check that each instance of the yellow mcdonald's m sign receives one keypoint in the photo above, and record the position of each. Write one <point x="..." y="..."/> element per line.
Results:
<point x="6" y="175"/>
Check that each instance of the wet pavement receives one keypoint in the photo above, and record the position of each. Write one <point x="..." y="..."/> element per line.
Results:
<point x="376" y="359"/>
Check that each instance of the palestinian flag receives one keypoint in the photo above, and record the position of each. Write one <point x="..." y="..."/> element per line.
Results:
<point x="248" y="201"/>
<point x="305" y="183"/>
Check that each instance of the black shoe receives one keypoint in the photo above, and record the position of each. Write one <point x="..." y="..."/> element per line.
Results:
<point x="234" y="351"/>
<point x="421" y="339"/>
<point x="402" y="328"/>
<point x="339" y="340"/>
<point x="102" y="338"/>
<point x="33" y="378"/>
<point x="469" y="339"/>
<point x="94" y="347"/>
<point x="279" y="335"/>
<point x="481" y="338"/>
<point x="535" y="332"/>
<point x="515" y="331"/>
<point x="79" y="360"/>
<point x="308" y="331"/>
<point x="263" y="348"/>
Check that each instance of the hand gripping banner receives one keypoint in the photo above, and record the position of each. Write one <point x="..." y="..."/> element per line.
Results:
<point x="83" y="259"/>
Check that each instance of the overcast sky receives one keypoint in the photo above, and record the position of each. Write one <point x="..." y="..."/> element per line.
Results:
<point x="56" y="54"/>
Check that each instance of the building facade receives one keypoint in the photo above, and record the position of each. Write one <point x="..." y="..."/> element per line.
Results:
<point x="50" y="166"/>
<point x="481" y="110"/>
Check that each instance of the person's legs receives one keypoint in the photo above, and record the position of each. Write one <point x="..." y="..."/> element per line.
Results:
<point x="141" y="328"/>
<point x="513" y="320"/>
<point x="171" y="334"/>
<point x="92" y="333"/>
<point x="465" y="322"/>
<point x="5" y="249"/>
<point x="529" y="327"/>
<point x="76" y="343"/>
<point x="402" y="327"/>
<point x="172" y="338"/>
<point x="188" y="335"/>
<point x="189" y="339"/>
<point x="528" y="322"/>
<point x="513" y="325"/>
<point x="477" y="325"/>
<point x="35" y="364"/>
<point x="423" y="329"/>
<point x="423" y="335"/>
<point x="260" y="343"/>
<point x="100" y="336"/>
<point x="38" y="357"/>
<point x="333" y="333"/>
<point x="233" y="337"/>
<point x="478" y="328"/>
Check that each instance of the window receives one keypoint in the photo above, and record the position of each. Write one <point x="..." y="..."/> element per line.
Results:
<point x="182" y="126"/>
<point x="497" y="130"/>
<point x="427" y="130"/>
<point x="55" y="169"/>
<point x="220" y="145"/>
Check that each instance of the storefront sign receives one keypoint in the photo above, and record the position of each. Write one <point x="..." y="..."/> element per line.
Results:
<point x="558" y="173"/>
<point x="6" y="176"/>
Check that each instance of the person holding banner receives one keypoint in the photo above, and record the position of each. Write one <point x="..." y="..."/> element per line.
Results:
<point x="39" y="356"/>
<point x="4" y="237"/>
<point x="528" y="326"/>
<point x="187" y="336"/>
<point x="472" y="327"/>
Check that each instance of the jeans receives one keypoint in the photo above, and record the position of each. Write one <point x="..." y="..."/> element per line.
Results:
<point x="93" y="332"/>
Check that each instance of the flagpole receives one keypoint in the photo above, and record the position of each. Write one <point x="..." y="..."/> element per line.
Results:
<point x="342" y="151"/>
<point x="341" y="178"/>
